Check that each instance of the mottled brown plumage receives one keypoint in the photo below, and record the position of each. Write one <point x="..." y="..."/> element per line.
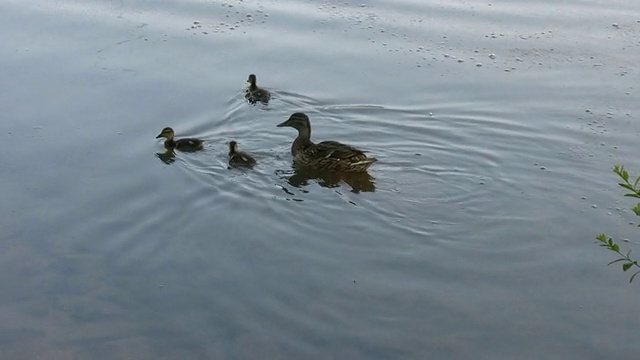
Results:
<point x="254" y="93"/>
<point x="328" y="155"/>
<point x="239" y="158"/>
<point x="182" y="144"/>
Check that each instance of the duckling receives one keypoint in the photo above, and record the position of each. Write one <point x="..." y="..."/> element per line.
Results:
<point x="328" y="155"/>
<point x="182" y="144"/>
<point x="239" y="158"/>
<point x="254" y="93"/>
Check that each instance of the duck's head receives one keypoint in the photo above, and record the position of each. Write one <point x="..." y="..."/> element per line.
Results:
<point x="252" y="80"/>
<point x="233" y="147"/>
<point x="166" y="133"/>
<point x="298" y="121"/>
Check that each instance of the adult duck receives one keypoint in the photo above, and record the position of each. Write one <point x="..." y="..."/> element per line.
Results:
<point x="327" y="155"/>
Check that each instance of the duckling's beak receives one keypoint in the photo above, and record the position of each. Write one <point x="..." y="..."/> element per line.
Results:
<point x="283" y="124"/>
<point x="159" y="136"/>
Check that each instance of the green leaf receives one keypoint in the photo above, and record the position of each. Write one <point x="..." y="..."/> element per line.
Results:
<point x="615" y="247"/>
<point x="615" y="261"/>
<point x="626" y="186"/>
<point x="635" y="183"/>
<point x="625" y="175"/>
<point x="626" y="266"/>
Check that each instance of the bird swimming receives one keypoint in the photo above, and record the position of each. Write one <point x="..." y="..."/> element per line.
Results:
<point x="254" y="93"/>
<point x="181" y="144"/>
<point x="239" y="158"/>
<point x="328" y="155"/>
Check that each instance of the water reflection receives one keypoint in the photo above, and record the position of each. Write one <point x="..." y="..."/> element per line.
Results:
<point x="300" y="177"/>
<point x="167" y="157"/>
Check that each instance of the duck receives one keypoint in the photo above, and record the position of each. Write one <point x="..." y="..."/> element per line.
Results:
<point x="239" y="158"/>
<point x="326" y="155"/>
<point x="254" y="93"/>
<point x="182" y="144"/>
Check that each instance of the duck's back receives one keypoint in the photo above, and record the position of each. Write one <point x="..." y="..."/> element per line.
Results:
<point x="338" y="150"/>
<point x="240" y="158"/>
<point x="335" y="156"/>
<point x="188" y="144"/>
<point x="256" y="94"/>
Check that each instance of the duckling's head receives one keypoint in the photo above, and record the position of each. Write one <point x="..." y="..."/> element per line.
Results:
<point x="298" y="121"/>
<point x="233" y="147"/>
<point x="166" y="133"/>
<point x="252" y="80"/>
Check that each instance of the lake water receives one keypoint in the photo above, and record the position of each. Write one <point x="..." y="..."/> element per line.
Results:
<point x="496" y="125"/>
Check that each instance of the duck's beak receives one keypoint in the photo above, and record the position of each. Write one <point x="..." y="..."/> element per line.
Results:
<point x="159" y="136"/>
<point x="283" y="124"/>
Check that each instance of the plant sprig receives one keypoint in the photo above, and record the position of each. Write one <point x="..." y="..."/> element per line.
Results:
<point x="624" y="175"/>
<point x="607" y="242"/>
<point x="628" y="262"/>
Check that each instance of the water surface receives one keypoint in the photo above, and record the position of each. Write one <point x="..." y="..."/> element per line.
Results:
<point x="496" y="126"/>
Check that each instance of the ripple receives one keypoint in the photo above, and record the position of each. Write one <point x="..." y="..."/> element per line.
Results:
<point x="490" y="179"/>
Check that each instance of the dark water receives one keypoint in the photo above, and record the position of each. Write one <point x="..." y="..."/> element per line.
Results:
<point x="496" y="125"/>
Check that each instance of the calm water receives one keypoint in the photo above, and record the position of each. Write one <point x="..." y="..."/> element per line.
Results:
<point x="496" y="125"/>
